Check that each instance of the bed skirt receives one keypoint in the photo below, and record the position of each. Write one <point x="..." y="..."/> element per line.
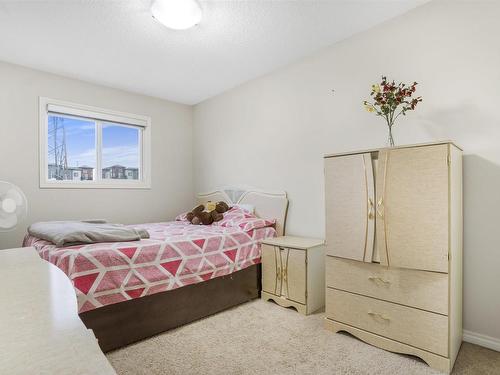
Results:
<point x="123" y="323"/>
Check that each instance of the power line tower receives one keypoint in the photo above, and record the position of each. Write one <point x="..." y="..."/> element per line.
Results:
<point x="57" y="148"/>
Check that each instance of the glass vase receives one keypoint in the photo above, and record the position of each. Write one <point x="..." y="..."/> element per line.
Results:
<point x="390" y="138"/>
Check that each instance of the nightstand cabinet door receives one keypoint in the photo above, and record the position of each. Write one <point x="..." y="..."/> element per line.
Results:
<point x="271" y="270"/>
<point x="294" y="274"/>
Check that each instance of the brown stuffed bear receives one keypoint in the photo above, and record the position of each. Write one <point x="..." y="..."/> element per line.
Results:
<point x="198" y="215"/>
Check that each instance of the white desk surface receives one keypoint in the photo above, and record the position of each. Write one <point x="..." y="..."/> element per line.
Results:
<point x="40" y="331"/>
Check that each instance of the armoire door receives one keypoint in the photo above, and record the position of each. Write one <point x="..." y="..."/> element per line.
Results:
<point x="294" y="274"/>
<point x="412" y="208"/>
<point x="271" y="270"/>
<point x="349" y="198"/>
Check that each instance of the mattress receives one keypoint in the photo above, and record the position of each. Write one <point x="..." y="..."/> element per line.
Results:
<point x="176" y="254"/>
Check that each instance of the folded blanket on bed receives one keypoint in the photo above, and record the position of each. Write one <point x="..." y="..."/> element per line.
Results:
<point x="66" y="233"/>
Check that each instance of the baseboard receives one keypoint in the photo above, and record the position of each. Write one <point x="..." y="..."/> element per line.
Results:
<point x="482" y="340"/>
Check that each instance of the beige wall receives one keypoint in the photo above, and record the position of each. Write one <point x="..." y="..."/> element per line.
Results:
<point x="172" y="185"/>
<point x="273" y="131"/>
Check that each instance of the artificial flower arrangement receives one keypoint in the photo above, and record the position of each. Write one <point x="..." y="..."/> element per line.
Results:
<point x="390" y="100"/>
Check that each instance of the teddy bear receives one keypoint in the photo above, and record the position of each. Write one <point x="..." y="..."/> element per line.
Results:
<point x="200" y="216"/>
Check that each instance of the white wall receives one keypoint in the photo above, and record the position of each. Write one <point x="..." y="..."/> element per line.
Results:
<point x="172" y="183"/>
<point x="273" y="131"/>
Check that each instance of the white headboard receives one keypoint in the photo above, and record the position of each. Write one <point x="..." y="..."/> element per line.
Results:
<point x="268" y="205"/>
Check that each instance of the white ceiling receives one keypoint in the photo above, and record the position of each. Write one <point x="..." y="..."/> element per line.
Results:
<point x="118" y="44"/>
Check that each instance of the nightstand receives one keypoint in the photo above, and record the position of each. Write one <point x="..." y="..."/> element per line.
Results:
<point x="293" y="272"/>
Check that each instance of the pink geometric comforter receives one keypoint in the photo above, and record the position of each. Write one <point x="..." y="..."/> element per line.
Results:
<point x="177" y="254"/>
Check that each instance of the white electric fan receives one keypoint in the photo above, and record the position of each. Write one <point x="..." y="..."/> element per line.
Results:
<point x="13" y="206"/>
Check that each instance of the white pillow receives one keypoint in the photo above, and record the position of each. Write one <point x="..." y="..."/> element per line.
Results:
<point x="247" y="207"/>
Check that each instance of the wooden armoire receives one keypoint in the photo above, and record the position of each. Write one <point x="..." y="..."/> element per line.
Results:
<point x="394" y="249"/>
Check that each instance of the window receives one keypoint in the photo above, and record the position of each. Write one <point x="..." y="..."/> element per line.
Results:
<point x="86" y="147"/>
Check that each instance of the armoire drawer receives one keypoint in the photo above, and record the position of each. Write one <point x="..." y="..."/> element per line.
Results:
<point x="421" y="289"/>
<point x="421" y="329"/>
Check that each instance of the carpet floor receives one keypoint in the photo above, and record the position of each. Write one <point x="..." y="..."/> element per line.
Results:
<point x="262" y="338"/>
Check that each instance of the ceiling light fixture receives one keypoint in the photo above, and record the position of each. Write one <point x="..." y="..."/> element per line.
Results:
<point x="176" y="14"/>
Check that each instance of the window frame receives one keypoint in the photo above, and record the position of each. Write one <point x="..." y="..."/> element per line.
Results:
<point x="100" y="116"/>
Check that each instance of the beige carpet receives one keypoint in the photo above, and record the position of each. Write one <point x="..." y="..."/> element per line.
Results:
<point x="263" y="338"/>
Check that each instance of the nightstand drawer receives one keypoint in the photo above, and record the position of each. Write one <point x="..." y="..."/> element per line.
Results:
<point x="422" y="329"/>
<point x="421" y="289"/>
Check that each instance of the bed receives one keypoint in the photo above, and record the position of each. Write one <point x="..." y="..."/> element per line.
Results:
<point x="128" y="291"/>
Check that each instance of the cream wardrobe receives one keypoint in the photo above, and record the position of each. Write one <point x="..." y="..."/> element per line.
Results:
<point x="394" y="249"/>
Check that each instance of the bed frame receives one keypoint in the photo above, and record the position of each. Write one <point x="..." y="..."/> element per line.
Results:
<point x="126" y="322"/>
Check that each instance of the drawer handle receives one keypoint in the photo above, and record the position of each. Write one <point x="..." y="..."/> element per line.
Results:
<point x="370" y="209"/>
<point x="376" y="278"/>
<point x="381" y="316"/>
<point x="380" y="207"/>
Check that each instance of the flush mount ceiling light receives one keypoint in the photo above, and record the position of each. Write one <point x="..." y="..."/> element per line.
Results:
<point x="176" y="14"/>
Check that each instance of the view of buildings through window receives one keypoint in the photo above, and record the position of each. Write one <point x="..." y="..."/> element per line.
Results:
<point x="73" y="153"/>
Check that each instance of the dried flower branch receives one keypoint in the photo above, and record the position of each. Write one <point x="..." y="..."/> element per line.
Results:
<point x="390" y="100"/>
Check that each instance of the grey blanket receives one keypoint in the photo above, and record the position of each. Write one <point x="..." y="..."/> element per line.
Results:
<point x="66" y="233"/>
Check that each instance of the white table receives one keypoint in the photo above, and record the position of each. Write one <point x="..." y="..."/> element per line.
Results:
<point x="40" y="331"/>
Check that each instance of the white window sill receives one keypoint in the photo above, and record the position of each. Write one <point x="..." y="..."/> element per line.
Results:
<point x="94" y="185"/>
